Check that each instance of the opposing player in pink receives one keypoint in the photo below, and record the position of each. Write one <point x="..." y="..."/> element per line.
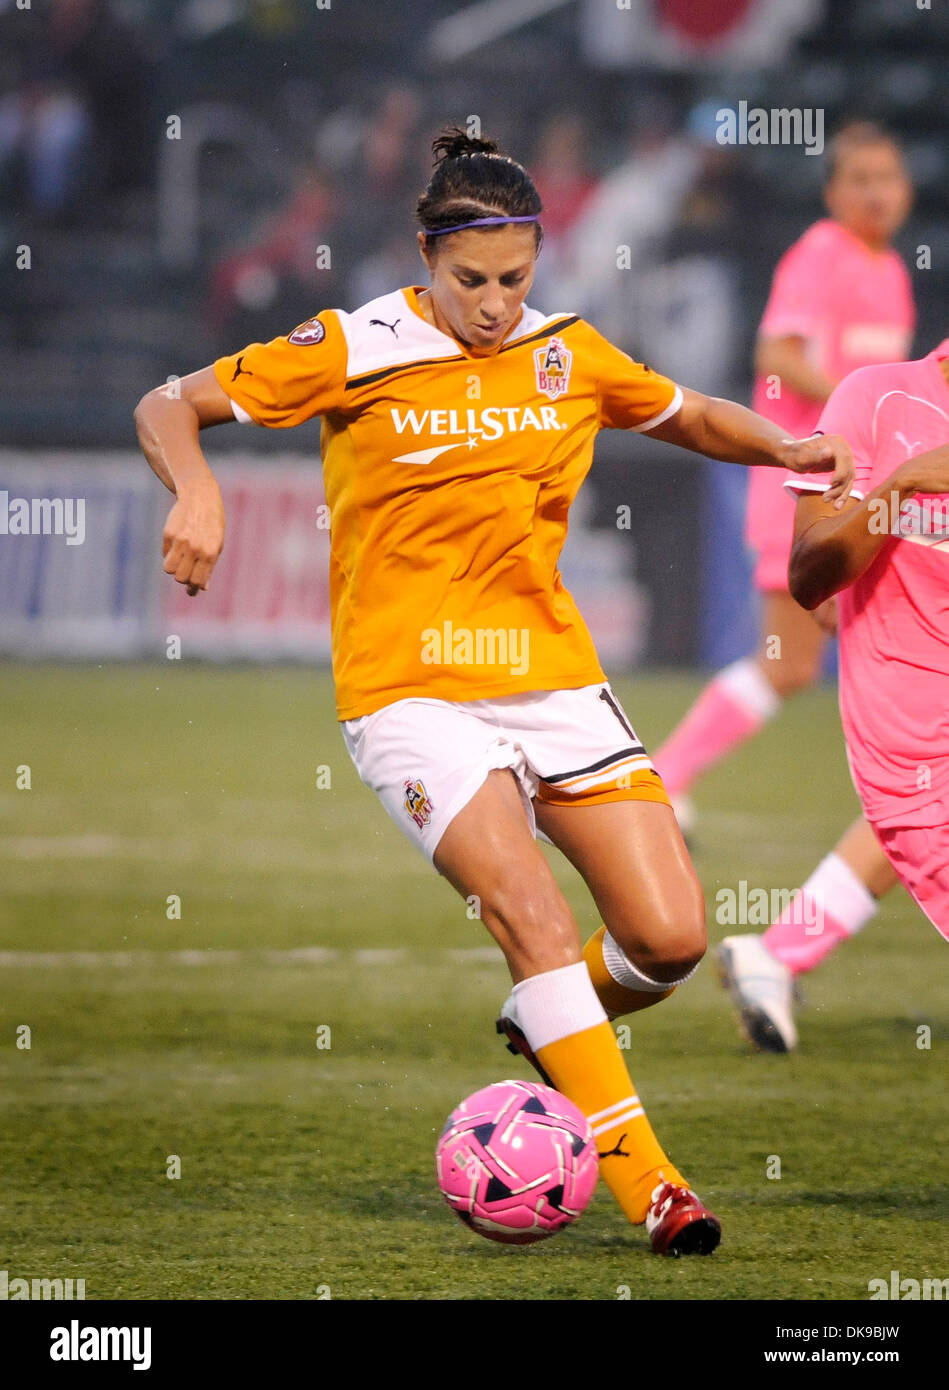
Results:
<point x="841" y="299"/>
<point x="886" y="555"/>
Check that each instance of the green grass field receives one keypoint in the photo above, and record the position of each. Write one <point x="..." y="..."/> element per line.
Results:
<point x="304" y="1167"/>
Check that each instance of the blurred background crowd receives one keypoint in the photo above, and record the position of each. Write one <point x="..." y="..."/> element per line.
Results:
<point x="191" y="175"/>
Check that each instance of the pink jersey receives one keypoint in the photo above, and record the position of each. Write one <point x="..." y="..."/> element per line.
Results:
<point x="853" y="307"/>
<point x="894" y="619"/>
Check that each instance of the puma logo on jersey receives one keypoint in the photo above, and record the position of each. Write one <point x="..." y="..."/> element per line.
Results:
<point x="907" y="444"/>
<point x="381" y="323"/>
<point x="239" y="369"/>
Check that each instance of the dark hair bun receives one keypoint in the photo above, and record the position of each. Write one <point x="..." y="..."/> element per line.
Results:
<point x="472" y="180"/>
<point x="454" y="142"/>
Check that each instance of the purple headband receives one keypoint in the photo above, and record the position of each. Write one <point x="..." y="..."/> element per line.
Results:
<point x="482" y="222"/>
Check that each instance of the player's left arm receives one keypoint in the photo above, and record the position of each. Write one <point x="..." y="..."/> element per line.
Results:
<point x="724" y="430"/>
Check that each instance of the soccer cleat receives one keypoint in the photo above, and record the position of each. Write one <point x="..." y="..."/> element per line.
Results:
<point x="762" y="990"/>
<point x="518" y="1044"/>
<point x="678" y="1223"/>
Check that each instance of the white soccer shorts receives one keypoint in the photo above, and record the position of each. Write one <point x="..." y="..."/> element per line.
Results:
<point x="425" y="759"/>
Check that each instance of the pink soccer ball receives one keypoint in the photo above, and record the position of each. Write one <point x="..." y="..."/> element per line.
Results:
<point x="517" y="1161"/>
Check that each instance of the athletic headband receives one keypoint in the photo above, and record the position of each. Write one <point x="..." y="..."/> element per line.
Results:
<point x="482" y="222"/>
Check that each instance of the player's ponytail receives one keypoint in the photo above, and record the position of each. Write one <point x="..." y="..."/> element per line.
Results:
<point x="473" y="180"/>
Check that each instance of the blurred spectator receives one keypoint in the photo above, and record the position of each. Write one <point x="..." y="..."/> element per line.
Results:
<point x="287" y="272"/>
<point x="76" y="117"/>
<point x="561" y="173"/>
<point x="383" y="162"/>
<point x="45" y="131"/>
<point x="108" y="63"/>
<point x="619" y="236"/>
<point x="565" y="182"/>
<point x="396" y="262"/>
<point x="688" y="307"/>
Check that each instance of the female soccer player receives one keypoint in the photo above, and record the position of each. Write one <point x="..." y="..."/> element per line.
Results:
<point x="458" y="425"/>
<point x="886" y="554"/>
<point x="841" y="299"/>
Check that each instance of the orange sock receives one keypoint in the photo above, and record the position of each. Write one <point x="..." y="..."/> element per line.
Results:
<point x="616" y="999"/>
<point x="589" y="1068"/>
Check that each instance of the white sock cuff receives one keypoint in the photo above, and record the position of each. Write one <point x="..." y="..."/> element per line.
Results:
<point x="840" y="894"/>
<point x="625" y="973"/>
<point x="748" y="687"/>
<point x="557" y="1004"/>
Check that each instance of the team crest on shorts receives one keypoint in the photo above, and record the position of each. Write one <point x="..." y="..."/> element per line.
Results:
<point x="417" y="802"/>
<point x="552" y="367"/>
<point x="308" y="333"/>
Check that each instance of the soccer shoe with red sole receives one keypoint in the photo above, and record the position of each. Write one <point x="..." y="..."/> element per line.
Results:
<point x="518" y="1044"/>
<point x="678" y="1224"/>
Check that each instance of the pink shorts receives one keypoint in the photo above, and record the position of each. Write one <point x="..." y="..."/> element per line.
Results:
<point x="920" y="855"/>
<point x="769" y="527"/>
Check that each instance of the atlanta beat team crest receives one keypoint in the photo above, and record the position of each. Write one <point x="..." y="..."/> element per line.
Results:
<point x="308" y="333"/>
<point x="552" y="367"/>
<point x="417" y="802"/>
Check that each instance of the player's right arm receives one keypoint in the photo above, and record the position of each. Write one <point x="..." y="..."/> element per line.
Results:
<point x="277" y="384"/>
<point x="168" y="420"/>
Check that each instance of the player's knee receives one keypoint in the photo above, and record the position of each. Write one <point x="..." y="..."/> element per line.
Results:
<point x="671" y="960"/>
<point x="672" y="946"/>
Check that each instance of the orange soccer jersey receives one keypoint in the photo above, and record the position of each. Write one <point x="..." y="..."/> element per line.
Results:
<point x="449" y="479"/>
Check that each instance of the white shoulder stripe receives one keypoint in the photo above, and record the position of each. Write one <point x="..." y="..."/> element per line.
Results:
<point x="674" y="405"/>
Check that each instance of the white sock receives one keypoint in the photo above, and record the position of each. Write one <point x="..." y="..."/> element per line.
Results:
<point x="556" y="1004"/>
<point x="749" y="688"/>
<point x="841" y="894"/>
<point x="624" y="972"/>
